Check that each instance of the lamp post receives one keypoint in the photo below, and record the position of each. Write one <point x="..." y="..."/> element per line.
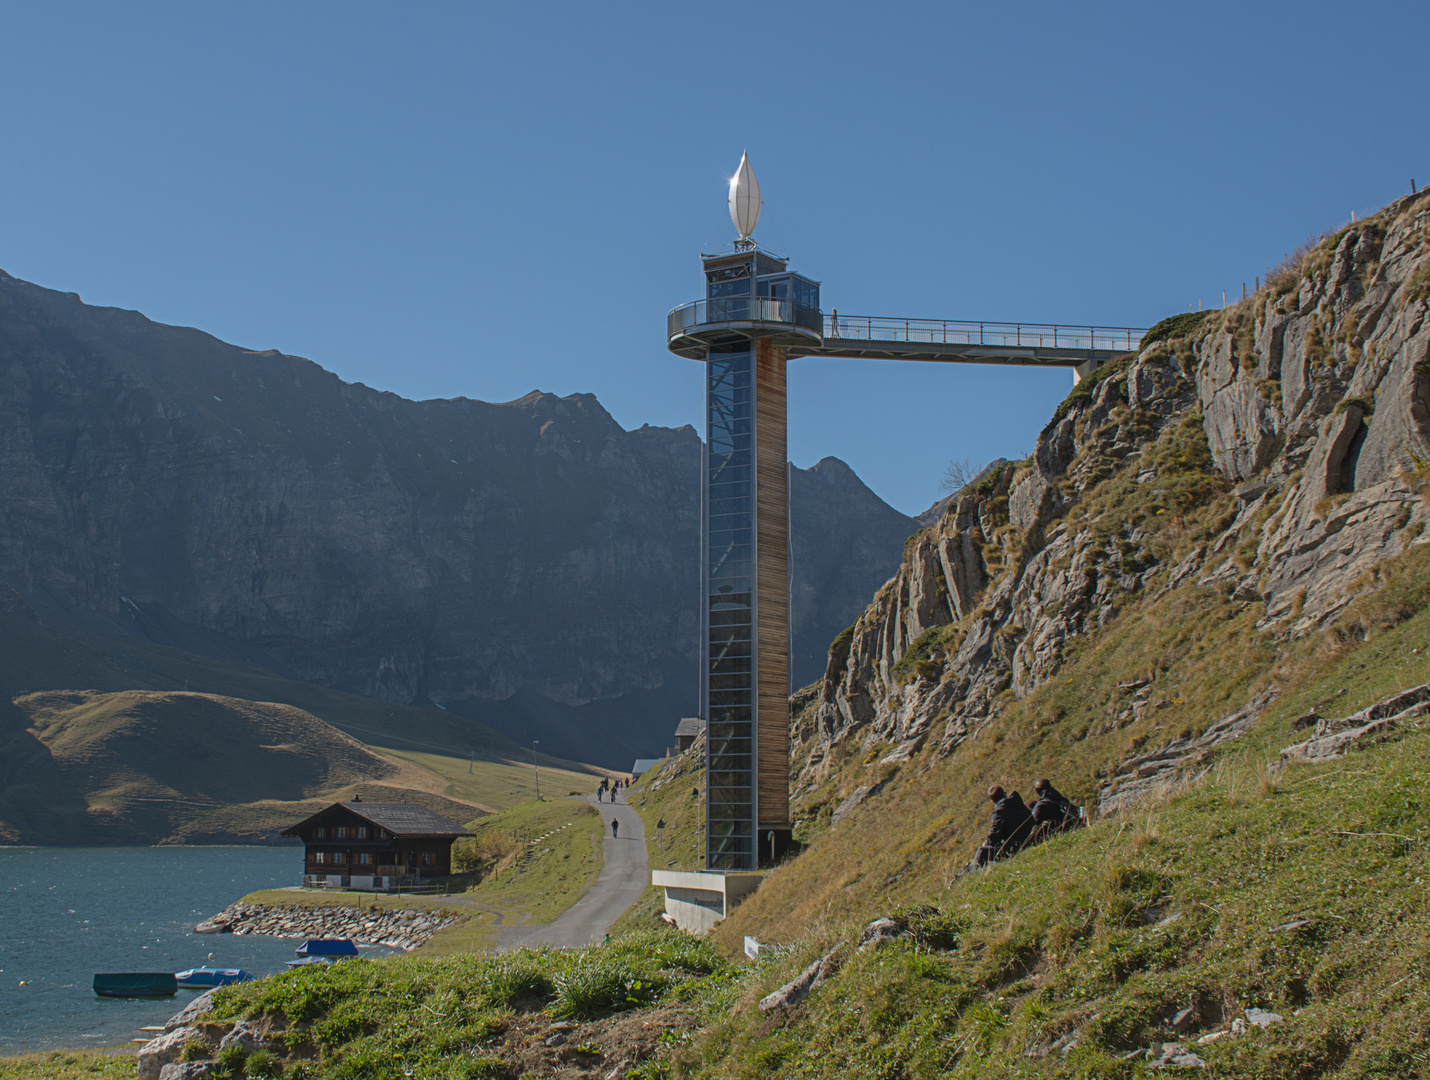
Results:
<point x="536" y="770"/>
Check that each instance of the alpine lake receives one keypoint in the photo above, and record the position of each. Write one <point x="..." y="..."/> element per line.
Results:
<point x="68" y="913"/>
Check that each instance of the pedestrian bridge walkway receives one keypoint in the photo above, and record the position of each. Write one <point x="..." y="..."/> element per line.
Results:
<point x="692" y="328"/>
<point x="960" y="341"/>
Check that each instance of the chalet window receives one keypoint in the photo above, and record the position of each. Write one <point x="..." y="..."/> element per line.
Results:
<point x="341" y="832"/>
<point x="339" y="858"/>
<point x="364" y="859"/>
<point x="428" y="859"/>
<point x="320" y="857"/>
<point x="320" y="833"/>
<point x="362" y="832"/>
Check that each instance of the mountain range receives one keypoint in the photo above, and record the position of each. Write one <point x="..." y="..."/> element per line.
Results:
<point x="530" y="566"/>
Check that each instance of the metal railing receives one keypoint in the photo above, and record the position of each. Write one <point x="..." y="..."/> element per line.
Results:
<point x="875" y="328"/>
<point x="960" y="332"/>
<point x="760" y="309"/>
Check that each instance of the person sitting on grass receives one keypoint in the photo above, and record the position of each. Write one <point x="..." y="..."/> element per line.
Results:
<point x="1010" y="829"/>
<point x="1053" y="812"/>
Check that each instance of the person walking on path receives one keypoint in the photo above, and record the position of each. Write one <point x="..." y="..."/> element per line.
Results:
<point x="615" y="826"/>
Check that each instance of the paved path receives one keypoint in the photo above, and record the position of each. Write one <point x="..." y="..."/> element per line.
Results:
<point x="623" y="878"/>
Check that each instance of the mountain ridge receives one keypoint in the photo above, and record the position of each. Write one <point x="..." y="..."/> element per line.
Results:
<point x="511" y="562"/>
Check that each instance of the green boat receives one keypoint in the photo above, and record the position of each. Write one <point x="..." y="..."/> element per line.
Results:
<point x="136" y="984"/>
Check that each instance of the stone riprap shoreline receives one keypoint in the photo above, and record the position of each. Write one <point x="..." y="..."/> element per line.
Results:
<point x="399" y="928"/>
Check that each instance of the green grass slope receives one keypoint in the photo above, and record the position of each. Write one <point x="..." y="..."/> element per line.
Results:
<point x="48" y="799"/>
<point x="1305" y="897"/>
<point x="141" y="765"/>
<point x="1302" y="894"/>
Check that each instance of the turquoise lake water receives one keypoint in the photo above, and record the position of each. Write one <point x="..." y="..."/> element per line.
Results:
<point x="66" y="913"/>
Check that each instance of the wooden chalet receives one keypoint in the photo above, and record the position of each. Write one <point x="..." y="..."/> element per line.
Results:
<point x="371" y="845"/>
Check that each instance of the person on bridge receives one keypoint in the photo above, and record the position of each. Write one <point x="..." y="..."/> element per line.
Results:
<point x="1010" y="829"/>
<point x="615" y="825"/>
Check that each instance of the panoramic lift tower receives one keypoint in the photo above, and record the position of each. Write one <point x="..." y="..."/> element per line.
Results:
<point x="755" y="316"/>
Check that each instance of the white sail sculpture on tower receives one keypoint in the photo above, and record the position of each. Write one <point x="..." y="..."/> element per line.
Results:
<point x="744" y="198"/>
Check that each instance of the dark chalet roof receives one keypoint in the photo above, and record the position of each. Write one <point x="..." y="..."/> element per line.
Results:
<point x="400" y="819"/>
<point x="689" y="725"/>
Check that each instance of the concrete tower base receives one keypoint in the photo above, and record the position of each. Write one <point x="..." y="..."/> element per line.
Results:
<point x="698" y="899"/>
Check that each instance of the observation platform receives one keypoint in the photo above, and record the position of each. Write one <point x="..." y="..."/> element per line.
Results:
<point x="692" y="328"/>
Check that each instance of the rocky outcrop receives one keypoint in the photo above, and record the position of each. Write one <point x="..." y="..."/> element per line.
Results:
<point x="514" y="563"/>
<point x="396" y="928"/>
<point x="1182" y="761"/>
<point x="191" y="1012"/>
<point x="797" y="989"/>
<point x="1335" y="737"/>
<point x="1309" y="403"/>
<point x="161" y="1051"/>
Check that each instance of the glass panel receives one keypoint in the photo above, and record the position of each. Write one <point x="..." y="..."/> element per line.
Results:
<point x="729" y="288"/>
<point x="730" y="829"/>
<point x="731" y="761"/>
<point x="730" y="491"/>
<point x="728" y="309"/>
<point x="731" y="682"/>
<point x="728" y="697"/>
<point x="729" y="567"/>
<point x="731" y="457"/>
<point x="729" y="665"/>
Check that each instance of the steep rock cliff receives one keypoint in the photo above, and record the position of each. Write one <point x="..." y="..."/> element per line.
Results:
<point x="1310" y="402"/>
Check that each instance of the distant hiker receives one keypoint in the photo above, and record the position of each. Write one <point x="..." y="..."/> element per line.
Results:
<point x="1053" y="812"/>
<point x="833" y="322"/>
<point x="1009" y="830"/>
<point x="606" y="940"/>
<point x="614" y="826"/>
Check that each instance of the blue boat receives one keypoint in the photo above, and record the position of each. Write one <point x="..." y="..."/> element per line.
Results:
<point x="335" y="947"/>
<point x="136" y="984"/>
<point x="206" y="976"/>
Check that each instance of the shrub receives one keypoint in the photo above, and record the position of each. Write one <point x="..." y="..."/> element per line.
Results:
<point x="600" y="983"/>
<point x="513" y="978"/>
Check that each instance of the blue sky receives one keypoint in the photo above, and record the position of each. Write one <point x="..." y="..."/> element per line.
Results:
<point x="482" y="200"/>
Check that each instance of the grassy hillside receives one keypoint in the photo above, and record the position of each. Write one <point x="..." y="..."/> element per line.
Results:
<point x="1187" y="901"/>
<point x="497" y="784"/>
<point x="142" y="765"/>
<point x="52" y="651"/>
<point x="1205" y="658"/>
<point x="1303" y="895"/>
<point x="531" y="861"/>
<point x="78" y="702"/>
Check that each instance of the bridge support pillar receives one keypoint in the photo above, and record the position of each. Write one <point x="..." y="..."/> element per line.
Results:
<point x="1083" y="370"/>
